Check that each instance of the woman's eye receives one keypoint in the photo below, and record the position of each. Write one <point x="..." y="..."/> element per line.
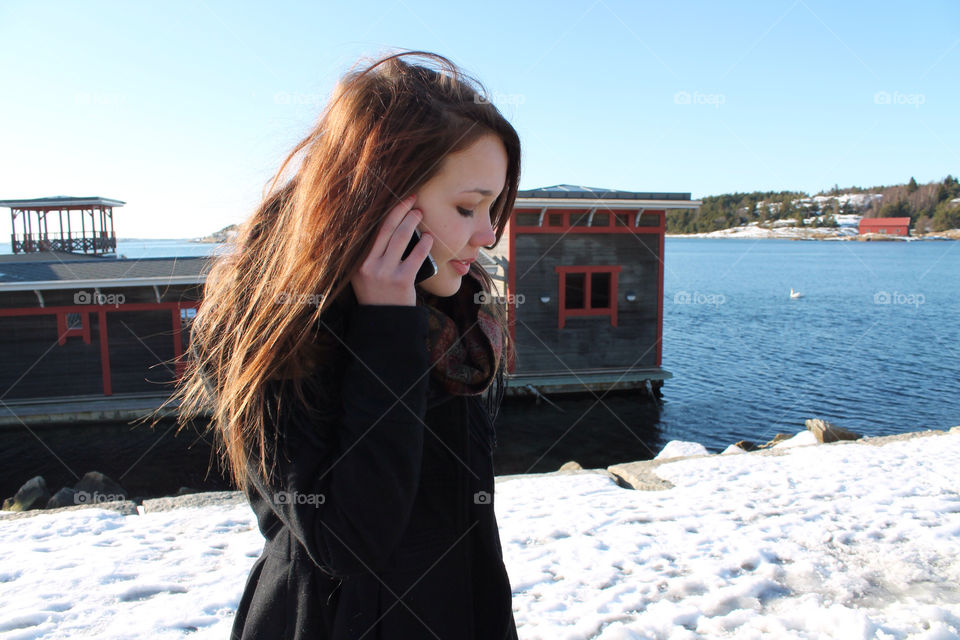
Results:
<point x="465" y="212"/>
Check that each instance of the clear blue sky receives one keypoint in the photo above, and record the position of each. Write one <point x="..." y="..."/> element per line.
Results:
<point x="185" y="109"/>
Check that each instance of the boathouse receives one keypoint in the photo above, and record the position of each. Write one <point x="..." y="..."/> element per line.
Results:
<point x="583" y="274"/>
<point x="885" y="226"/>
<point x="75" y="326"/>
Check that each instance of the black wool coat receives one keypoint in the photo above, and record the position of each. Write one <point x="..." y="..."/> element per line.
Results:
<point x="378" y="512"/>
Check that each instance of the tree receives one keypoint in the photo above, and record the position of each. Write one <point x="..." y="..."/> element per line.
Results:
<point x="912" y="185"/>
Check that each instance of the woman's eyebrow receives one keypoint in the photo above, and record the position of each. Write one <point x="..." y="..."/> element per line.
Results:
<point x="485" y="192"/>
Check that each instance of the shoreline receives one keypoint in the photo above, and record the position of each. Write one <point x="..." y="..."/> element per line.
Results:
<point x="638" y="475"/>
<point x="848" y="234"/>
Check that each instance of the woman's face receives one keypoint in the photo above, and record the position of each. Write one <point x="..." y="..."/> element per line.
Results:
<point x="468" y="181"/>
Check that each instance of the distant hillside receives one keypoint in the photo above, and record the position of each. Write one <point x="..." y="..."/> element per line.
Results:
<point x="934" y="206"/>
<point x="224" y="235"/>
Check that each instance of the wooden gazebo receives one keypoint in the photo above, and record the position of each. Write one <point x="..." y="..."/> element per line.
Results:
<point x="94" y="234"/>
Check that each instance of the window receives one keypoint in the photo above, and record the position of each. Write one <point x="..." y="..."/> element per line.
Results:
<point x="574" y="289"/>
<point x="72" y="324"/>
<point x="600" y="290"/>
<point x="587" y="291"/>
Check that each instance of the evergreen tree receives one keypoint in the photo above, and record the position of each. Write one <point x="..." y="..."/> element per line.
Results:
<point x="912" y="185"/>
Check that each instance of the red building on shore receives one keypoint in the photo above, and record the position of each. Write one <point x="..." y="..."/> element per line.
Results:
<point x="886" y="226"/>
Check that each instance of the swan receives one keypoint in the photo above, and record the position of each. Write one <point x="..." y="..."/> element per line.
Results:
<point x="795" y="294"/>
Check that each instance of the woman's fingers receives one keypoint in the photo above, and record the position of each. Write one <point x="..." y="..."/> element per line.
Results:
<point x="389" y="225"/>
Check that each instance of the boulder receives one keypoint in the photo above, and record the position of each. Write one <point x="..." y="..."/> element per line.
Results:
<point x="777" y="439"/>
<point x="572" y="464"/>
<point x="94" y="487"/>
<point x="681" y="449"/>
<point x="826" y="432"/>
<point x="746" y="445"/>
<point x="32" y="495"/>
<point x="66" y="497"/>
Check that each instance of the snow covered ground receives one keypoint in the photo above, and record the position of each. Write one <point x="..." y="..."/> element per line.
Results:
<point x="781" y="229"/>
<point x="848" y="540"/>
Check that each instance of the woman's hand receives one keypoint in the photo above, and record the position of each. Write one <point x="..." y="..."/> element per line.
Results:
<point x="382" y="277"/>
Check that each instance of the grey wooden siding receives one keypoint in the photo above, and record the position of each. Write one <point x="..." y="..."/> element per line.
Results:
<point x="586" y="342"/>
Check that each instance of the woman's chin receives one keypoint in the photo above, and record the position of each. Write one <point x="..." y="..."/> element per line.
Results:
<point x="441" y="286"/>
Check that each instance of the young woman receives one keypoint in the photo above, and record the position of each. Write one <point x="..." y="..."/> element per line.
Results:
<point x="353" y="405"/>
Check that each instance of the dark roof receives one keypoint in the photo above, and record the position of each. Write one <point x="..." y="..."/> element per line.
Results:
<point x="576" y="191"/>
<point x="107" y="270"/>
<point x="49" y="256"/>
<point x="61" y="201"/>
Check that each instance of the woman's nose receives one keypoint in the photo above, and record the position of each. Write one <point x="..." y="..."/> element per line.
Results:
<point x="485" y="235"/>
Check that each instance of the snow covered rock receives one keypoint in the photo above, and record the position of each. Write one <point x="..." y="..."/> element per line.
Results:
<point x="681" y="449"/>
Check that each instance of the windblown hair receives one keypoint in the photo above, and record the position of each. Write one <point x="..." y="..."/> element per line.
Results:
<point x="385" y="132"/>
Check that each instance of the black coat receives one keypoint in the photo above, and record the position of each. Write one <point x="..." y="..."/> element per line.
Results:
<point x="378" y="518"/>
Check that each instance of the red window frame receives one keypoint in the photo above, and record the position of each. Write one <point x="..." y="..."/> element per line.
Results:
<point x="564" y="313"/>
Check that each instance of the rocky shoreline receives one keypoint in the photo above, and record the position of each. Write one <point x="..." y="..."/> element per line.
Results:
<point x="96" y="490"/>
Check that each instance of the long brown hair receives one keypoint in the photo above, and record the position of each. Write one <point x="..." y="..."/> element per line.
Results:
<point x="387" y="128"/>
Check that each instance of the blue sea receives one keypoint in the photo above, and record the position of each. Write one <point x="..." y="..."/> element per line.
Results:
<point x="872" y="344"/>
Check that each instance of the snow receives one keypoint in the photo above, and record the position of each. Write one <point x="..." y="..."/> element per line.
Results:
<point x="780" y="229"/>
<point x="680" y="449"/>
<point x="849" y="540"/>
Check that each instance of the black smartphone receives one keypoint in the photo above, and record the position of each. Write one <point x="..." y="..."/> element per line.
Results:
<point x="429" y="267"/>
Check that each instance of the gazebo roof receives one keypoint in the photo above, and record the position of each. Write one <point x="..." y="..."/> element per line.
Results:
<point x="62" y="202"/>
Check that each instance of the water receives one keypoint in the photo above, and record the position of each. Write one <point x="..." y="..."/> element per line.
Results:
<point x="154" y="248"/>
<point x="872" y="346"/>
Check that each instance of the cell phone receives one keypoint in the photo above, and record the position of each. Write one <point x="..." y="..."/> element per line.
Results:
<point x="429" y="267"/>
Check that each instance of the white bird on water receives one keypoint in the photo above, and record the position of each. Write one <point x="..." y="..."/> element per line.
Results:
<point x="795" y="294"/>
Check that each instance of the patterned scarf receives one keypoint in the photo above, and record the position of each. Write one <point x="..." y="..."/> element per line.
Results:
<point x="467" y="363"/>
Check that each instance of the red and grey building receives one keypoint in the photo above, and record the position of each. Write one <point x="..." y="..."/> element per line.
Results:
<point x="885" y="226"/>
<point x="583" y="273"/>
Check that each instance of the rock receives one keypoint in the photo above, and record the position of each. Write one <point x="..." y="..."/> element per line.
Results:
<point x="745" y="445"/>
<point x="733" y="449"/>
<point x="826" y="432"/>
<point x="639" y="475"/>
<point x="802" y="439"/>
<point x="66" y="497"/>
<point x="32" y="495"/>
<point x="94" y="487"/>
<point x="182" y="491"/>
<point x="205" y="499"/>
<point x="681" y="449"/>
<point x="777" y="439"/>
<point x="955" y="429"/>
<point x="570" y="465"/>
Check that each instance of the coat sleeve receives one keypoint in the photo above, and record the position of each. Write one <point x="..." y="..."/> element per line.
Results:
<point x="345" y="490"/>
